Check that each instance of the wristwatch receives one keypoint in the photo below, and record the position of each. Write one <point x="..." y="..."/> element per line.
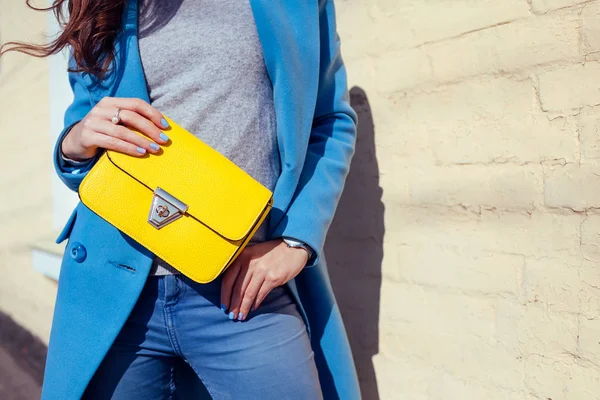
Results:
<point x="296" y="244"/>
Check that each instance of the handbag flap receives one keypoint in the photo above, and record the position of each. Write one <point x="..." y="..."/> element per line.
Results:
<point x="217" y="192"/>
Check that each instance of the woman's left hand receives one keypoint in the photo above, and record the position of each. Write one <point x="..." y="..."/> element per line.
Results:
<point x="259" y="269"/>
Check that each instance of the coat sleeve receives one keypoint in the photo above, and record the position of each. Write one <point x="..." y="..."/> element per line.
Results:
<point x="330" y="147"/>
<point x="71" y="174"/>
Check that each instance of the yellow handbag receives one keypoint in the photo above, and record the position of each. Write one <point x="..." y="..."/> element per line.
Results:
<point x="190" y="205"/>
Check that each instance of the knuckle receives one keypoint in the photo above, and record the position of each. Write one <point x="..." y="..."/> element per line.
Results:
<point x="86" y="123"/>
<point x="258" y="267"/>
<point x="114" y="142"/>
<point x="272" y="278"/>
<point x="85" y="140"/>
<point x="116" y="132"/>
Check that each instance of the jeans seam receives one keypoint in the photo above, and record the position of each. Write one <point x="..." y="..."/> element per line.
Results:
<point x="171" y="330"/>
<point x="201" y="379"/>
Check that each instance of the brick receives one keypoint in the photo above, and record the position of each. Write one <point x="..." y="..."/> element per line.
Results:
<point x="590" y="238"/>
<point x="472" y="186"/>
<point x="478" y="121"/>
<point x="589" y="339"/>
<point x="444" y="19"/>
<point x="543" y="6"/>
<point x="553" y="283"/>
<point x="511" y="47"/>
<point x="572" y="186"/>
<point x="590" y="17"/>
<point x="533" y="329"/>
<point x="568" y="89"/>
<point x="535" y="235"/>
<point x="561" y="378"/>
<point x="435" y="266"/>
<point x="412" y="378"/>
<point x="415" y="381"/>
<point x="402" y="69"/>
<point x="589" y="296"/>
<point x="447" y="386"/>
<point x="431" y="325"/>
<point x="590" y="135"/>
<point x="405" y="303"/>
<point x="514" y="46"/>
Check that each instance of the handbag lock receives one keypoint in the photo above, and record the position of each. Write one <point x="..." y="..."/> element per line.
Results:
<point x="165" y="209"/>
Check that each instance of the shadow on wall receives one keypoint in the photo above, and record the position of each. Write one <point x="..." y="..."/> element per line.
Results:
<point x="354" y="248"/>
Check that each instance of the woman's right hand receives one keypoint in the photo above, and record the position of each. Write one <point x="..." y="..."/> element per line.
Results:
<point x="97" y="129"/>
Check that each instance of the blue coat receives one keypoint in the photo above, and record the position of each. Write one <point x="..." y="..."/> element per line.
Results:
<point x="316" y="132"/>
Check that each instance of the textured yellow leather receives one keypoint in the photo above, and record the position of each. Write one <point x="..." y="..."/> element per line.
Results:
<point x="225" y="204"/>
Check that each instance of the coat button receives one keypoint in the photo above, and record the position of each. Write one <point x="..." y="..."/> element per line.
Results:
<point x="78" y="252"/>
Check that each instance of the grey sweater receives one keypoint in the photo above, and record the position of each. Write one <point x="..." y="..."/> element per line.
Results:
<point x="205" y="69"/>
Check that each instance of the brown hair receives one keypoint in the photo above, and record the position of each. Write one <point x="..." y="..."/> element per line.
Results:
<point x="90" y="30"/>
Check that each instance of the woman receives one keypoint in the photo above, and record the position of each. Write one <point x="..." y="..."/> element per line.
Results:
<point x="262" y="82"/>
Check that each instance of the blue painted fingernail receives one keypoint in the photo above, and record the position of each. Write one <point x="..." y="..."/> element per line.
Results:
<point x="164" y="123"/>
<point x="223" y="307"/>
<point x="231" y="315"/>
<point x="240" y="316"/>
<point x="164" y="137"/>
<point x="141" y="150"/>
<point x="154" y="146"/>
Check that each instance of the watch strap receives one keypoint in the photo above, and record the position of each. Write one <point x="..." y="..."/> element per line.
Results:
<point x="294" y="243"/>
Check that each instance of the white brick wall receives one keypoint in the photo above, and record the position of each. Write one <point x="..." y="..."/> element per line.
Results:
<point x="487" y="143"/>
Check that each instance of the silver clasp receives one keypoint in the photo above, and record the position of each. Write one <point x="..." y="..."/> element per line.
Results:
<point x="165" y="209"/>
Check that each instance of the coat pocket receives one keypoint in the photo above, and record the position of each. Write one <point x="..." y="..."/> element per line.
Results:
<point x="66" y="230"/>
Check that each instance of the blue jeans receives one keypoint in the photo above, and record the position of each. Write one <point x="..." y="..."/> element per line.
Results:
<point x="177" y="321"/>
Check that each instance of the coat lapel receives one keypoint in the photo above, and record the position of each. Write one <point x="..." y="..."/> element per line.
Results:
<point x="289" y="34"/>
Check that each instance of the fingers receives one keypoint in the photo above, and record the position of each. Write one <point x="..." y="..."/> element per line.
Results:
<point x="249" y="296"/>
<point x="229" y="277"/>
<point x="138" y="106"/>
<point x="237" y="294"/>
<point x="116" y="144"/>
<point x="143" y="125"/>
<point x="97" y="130"/>
<point x="141" y="144"/>
<point x="265" y="289"/>
<point x="136" y="115"/>
<point x="135" y="121"/>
